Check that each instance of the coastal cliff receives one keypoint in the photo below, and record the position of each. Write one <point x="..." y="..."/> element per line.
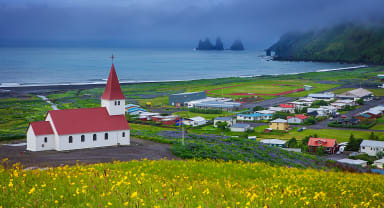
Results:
<point x="354" y="43"/>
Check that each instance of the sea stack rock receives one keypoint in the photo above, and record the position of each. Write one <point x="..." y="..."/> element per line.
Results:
<point x="205" y="45"/>
<point x="219" y="45"/>
<point x="237" y="46"/>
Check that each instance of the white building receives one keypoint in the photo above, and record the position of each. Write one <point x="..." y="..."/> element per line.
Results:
<point x="229" y="120"/>
<point x="195" y="121"/>
<point x="361" y="163"/>
<point x="239" y="127"/>
<point x="322" y="96"/>
<point x="379" y="163"/>
<point x="371" y="147"/>
<point x="356" y="94"/>
<point x="84" y="128"/>
<point x="274" y="142"/>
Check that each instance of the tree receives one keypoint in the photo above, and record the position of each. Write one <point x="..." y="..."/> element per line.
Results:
<point x="292" y="142"/>
<point x="372" y="136"/>
<point x="318" y="103"/>
<point x="347" y="108"/>
<point x="360" y="101"/>
<point x="304" y="142"/>
<point x="353" y="144"/>
<point x="310" y="120"/>
<point x="222" y="125"/>
<point x="257" y="108"/>
<point x="380" y="155"/>
<point x="320" y="150"/>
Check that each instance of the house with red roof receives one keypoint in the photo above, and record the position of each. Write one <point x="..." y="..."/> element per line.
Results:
<point x="297" y="119"/>
<point x="84" y="128"/>
<point x="330" y="145"/>
<point x="287" y="108"/>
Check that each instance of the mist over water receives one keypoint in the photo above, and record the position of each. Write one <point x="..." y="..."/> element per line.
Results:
<point x="91" y="65"/>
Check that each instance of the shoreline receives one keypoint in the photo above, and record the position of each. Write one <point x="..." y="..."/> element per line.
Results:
<point x="84" y="85"/>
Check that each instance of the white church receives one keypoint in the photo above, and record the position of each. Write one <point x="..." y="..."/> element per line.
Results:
<point x="84" y="128"/>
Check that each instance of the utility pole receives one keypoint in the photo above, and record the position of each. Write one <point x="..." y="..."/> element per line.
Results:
<point x="182" y="131"/>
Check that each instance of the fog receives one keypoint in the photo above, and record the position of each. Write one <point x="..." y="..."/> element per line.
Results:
<point x="171" y="23"/>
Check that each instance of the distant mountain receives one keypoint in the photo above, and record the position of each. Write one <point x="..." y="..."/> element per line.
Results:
<point x="343" y="43"/>
<point x="237" y="46"/>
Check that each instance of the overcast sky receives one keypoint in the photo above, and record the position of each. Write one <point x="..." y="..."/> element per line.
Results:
<point x="171" y="23"/>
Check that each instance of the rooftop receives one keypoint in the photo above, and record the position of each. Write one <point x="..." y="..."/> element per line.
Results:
<point x="240" y="125"/>
<point x="321" y="142"/>
<point x="112" y="89"/>
<point x="359" y="92"/>
<point x="372" y="143"/>
<point x="85" y="120"/>
<point x="352" y="162"/>
<point x="223" y="118"/>
<point x="42" y="128"/>
<point x="279" y="120"/>
<point x="273" y="141"/>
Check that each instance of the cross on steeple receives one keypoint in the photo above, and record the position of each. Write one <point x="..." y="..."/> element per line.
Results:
<point x="112" y="57"/>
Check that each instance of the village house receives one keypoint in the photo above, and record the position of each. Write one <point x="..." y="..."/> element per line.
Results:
<point x="274" y="142"/>
<point x="357" y="94"/>
<point x="219" y="105"/>
<point x="180" y="99"/>
<point x="147" y="116"/>
<point x="327" y="96"/>
<point x="371" y="147"/>
<point x="256" y="116"/>
<point x="133" y="109"/>
<point x="287" y="108"/>
<point x="347" y="121"/>
<point x="195" y="121"/>
<point x="84" y="128"/>
<point x="307" y="100"/>
<point x="279" y="124"/>
<point x="240" y="127"/>
<point x="379" y="163"/>
<point x="330" y="145"/>
<point x="266" y="114"/>
<point x="297" y="119"/>
<point x="229" y="120"/>
<point x="361" y="163"/>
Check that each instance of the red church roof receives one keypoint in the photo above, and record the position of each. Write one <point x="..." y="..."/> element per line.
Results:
<point x="321" y="142"/>
<point x="76" y="121"/>
<point x="112" y="89"/>
<point x="42" y="127"/>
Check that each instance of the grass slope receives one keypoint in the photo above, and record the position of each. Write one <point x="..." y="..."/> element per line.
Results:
<point x="187" y="184"/>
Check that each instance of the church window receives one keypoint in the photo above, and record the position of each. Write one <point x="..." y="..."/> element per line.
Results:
<point x="94" y="137"/>
<point x="118" y="102"/>
<point x="123" y="134"/>
<point x="106" y="136"/>
<point x="45" y="139"/>
<point x="82" y="138"/>
<point x="70" y="139"/>
<point x="115" y="102"/>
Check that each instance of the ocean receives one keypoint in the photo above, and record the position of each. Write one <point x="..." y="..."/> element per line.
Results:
<point x="45" y="66"/>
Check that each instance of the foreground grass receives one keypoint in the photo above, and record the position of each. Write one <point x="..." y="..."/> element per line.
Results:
<point x="187" y="184"/>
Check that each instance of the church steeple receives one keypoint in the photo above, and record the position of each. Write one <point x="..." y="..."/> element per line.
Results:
<point x="113" y="98"/>
<point x="112" y="89"/>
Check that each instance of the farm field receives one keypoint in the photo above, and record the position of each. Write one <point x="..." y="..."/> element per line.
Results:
<point x="188" y="183"/>
<point x="340" y="135"/>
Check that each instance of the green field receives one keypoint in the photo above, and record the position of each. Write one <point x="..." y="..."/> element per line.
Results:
<point x="191" y="183"/>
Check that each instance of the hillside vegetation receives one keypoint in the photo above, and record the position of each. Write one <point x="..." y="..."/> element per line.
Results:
<point x="345" y="43"/>
<point x="187" y="184"/>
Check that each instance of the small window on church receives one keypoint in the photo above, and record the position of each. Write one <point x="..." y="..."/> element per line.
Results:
<point x="82" y="138"/>
<point x="106" y="136"/>
<point x="115" y="102"/>
<point x="118" y="102"/>
<point x="123" y="134"/>
<point x="94" y="137"/>
<point x="45" y="139"/>
<point x="70" y="139"/>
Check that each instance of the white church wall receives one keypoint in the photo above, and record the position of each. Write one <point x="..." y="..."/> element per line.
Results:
<point x="113" y="106"/>
<point x="39" y="142"/>
<point x="114" y="137"/>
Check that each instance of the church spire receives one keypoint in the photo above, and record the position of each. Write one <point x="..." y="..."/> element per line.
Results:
<point x="112" y="89"/>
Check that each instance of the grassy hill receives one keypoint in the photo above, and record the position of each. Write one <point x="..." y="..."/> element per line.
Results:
<point x="187" y="184"/>
<point x="345" y="43"/>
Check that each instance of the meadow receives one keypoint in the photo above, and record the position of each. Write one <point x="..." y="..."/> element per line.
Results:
<point x="190" y="183"/>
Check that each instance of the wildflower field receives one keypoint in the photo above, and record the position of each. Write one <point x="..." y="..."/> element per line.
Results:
<point x="188" y="183"/>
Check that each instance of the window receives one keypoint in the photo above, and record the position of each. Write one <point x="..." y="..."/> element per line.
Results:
<point x="94" y="137"/>
<point x="45" y="139"/>
<point x="118" y="102"/>
<point x="115" y="102"/>
<point x="70" y="139"/>
<point x="106" y="136"/>
<point x="123" y="134"/>
<point x="82" y="138"/>
<point x="363" y="147"/>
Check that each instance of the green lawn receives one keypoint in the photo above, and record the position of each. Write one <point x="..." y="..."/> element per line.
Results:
<point x="339" y="135"/>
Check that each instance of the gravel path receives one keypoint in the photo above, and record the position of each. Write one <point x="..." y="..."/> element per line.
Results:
<point x="139" y="149"/>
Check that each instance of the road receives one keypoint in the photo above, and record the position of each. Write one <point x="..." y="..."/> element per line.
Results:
<point x="270" y="102"/>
